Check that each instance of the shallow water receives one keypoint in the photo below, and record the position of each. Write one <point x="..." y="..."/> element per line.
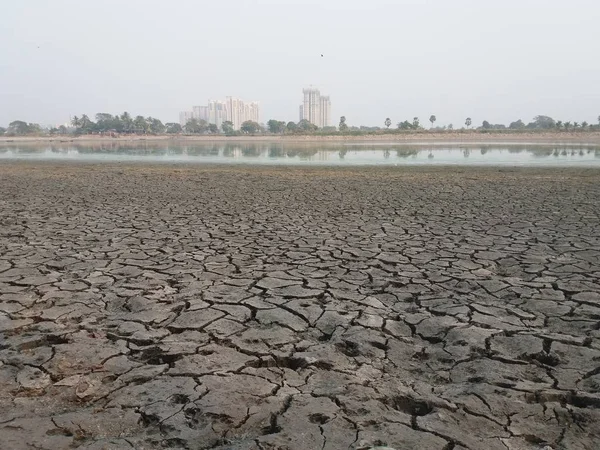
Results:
<point x="501" y="154"/>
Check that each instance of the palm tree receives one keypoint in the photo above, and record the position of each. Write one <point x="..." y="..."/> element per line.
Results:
<point x="75" y="121"/>
<point x="432" y="119"/>
<point x="388" y="122"/>
<point x="559" y="124"/>
<point x="468" y="122"/>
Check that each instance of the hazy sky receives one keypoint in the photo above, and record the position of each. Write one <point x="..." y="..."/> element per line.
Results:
<point x="491" y="60"/>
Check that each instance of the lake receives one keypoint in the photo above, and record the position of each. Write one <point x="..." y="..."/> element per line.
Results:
<point x="488" y="154"/>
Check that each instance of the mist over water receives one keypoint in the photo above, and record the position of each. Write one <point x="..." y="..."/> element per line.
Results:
<point x="316" y="154"/>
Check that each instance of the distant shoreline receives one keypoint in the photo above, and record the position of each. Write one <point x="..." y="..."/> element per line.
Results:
<point x="424" y="137"/>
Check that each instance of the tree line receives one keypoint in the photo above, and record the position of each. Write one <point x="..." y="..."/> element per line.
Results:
<point x="127" y="124"/>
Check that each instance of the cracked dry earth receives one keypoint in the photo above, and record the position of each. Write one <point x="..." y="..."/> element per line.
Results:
<point x="149" y="307"/>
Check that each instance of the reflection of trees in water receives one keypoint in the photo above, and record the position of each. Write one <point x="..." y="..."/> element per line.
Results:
<point x="251" y="150"/>
<point x="281" y="150"/>
<point x="406" y="152"/>
<point x="302" y="153"/>
<point x="276" y="151"/>
<point x="542" y="152"/>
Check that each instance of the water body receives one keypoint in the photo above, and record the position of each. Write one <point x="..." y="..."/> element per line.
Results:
<point x="500" y="154"/>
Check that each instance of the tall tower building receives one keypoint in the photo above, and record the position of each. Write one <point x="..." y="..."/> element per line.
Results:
<point x="312" y="106"/>
<point x="325" y="112"/>
<point x="239" y="112"/>
<point x="315" y="108"/>
<point x="200" y="112"/>
<point x="217" y="112"/>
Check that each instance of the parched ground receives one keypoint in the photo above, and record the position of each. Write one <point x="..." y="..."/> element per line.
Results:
<point x="237" y="307"/>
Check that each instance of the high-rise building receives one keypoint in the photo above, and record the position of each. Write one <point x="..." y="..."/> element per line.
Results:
<point x="200" y="112"/>
<point x="184" y="117"/>
<point x="252" y="110"/>
<point x="325" y="111"/>
<point x="217" y="112"/>
<point x="239" y="112"/>
<point x="232" y="109"/>
<point x="315" y="109"/>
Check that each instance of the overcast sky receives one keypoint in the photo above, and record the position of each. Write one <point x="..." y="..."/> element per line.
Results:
<point x="497" y="61"/>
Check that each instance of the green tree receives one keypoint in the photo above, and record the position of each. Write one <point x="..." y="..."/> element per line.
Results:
<point x="517" y="125"/>
<point x="575" y="124"/>
<point x="196" y="126"/>
<point x="75" y="121"/>
<point x="173" y="128"/>
<point x="227" y="127"/>
<point x="104" y="122"/>
<point x="86" y="125"/>
<point x="406" y="125"/>
<point x="486" y="125"/>
<point x="154" y="125"/>
<point x="388" y="122"/>
<point x="416" y="124"/>
<point x="468" y="122"/>
<point x="140" y="125"/>
<point x="544" y="122"/>
<point x="305" y="126"/>
<point x="18" y="127"/>
<point x="567" y="125"/>
<point x="343" y="126"/>
<point x="584" y="125"/>
<point x="127" y="122"/>
<point x="34" y="128"/>
<point x="432" y="119"/>
<point x="2" y="130"/>
<point x="250" y="127"/>
<point x="559" y="125"/>
<point x="213" y="128"/>
<point x="276" y="126"/>
<point x="291" y="127"/>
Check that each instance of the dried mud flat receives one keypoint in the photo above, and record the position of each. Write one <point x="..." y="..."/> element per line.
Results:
<point x="161" y="306"/>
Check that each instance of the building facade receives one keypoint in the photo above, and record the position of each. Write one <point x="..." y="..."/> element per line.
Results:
<point x="325" y="112"/>
<point x="200" y="112"/>
<point x="217" y="112"/>
<point x="184" y="117"/>
<point x="316" y="108"/>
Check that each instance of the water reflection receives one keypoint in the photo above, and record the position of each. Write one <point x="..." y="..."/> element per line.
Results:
<point x="314" y="153"/>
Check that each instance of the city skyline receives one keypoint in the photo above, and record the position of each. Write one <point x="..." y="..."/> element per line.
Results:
<point x="513" y="72"/>
<point x="233" y="109"/>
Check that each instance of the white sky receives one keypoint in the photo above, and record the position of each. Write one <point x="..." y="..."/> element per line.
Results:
<point x="495" y="61"/>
